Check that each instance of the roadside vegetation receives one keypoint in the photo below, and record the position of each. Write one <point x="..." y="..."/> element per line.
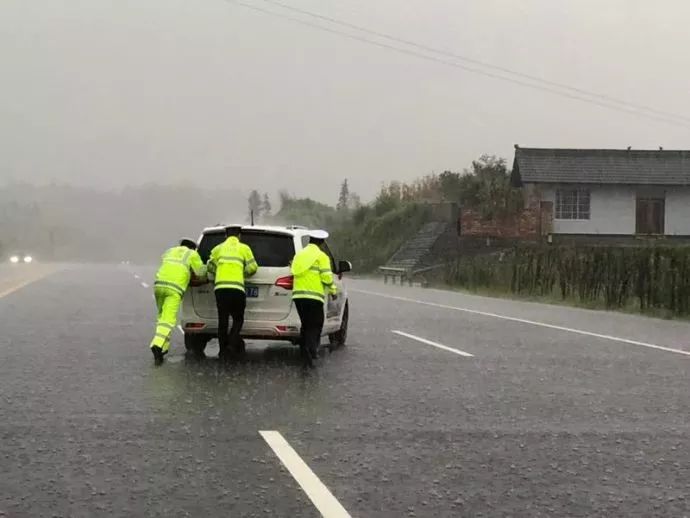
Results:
<point x="369" y="234"/>
<point x="654" y="280"/>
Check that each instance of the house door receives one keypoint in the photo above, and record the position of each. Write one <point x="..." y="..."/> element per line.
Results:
<point x="650" y="215"/>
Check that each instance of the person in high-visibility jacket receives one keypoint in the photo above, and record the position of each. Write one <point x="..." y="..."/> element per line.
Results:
<point x="230" y="263"/>
<point x="173" y="276"/>
<point x="313" y="281"/>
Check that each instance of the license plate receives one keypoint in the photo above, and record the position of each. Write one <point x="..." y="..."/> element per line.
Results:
<point x="252" y="291"/>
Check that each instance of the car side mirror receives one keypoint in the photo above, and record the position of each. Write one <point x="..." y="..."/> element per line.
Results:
<point x="344" y="267"/>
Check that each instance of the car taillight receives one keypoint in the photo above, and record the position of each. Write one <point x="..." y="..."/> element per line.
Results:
<point x="285" y="282"/>
<point x="195" y="325"/>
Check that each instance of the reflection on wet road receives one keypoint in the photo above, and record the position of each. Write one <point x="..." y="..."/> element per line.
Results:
<point x="538" y="421"/>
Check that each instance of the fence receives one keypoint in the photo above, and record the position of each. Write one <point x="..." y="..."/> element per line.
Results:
<point x="649" y="278"/>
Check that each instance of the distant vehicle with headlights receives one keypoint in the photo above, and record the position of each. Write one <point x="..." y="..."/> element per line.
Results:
<point x="21" y="259"/>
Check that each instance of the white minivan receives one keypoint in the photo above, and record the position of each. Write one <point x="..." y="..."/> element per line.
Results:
<point x="270" y="313"/>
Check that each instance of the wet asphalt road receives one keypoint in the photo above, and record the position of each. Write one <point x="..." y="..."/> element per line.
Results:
<point x="539" y="422"/>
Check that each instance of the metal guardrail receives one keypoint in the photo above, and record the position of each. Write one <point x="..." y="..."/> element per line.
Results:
<point x="405" y="274"/>
<point x="393" y="273"/>
<point x="392" y="270"/>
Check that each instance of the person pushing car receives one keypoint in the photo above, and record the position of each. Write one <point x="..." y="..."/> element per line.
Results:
<point x="313" y="279"/>
<point x="231" y="262"/>
<point x="172" y="279"/>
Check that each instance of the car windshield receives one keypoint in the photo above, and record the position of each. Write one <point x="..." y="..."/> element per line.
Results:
<point x="271" y="249"/>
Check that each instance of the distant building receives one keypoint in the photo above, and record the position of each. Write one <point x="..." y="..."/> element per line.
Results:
<point x="607" y="192"/>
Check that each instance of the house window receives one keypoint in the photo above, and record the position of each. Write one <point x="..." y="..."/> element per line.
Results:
<point x="650" y="215"/>
<point x="572" y="204"/>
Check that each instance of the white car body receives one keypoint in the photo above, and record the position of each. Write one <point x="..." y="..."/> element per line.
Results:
<point x="270" y="314"/>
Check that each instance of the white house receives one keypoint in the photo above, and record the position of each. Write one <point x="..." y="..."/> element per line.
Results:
<point x="608" y="192"/>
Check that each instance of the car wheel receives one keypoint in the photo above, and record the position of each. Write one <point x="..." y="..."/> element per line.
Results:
<point x="195" y="343"/>
<point x="339" y="338"/>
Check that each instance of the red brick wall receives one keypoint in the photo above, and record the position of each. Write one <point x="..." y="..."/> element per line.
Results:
<point x="530" y="223"/>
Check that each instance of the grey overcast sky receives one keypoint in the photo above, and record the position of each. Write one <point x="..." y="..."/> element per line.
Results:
<point x="117" y="92"/>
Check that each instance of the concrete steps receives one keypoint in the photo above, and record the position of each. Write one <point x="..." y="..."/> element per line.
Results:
<point x="412" y="254"/>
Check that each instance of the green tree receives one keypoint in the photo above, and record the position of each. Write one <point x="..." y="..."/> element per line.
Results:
<point x="266" y="207"/>
<point x="307" y="212"/>
<point x="450" y="185"/>
<point x="344" y="196"/>
<point x="355" y="201"/>
<point x="284" y="197"/>
<point x="486" y="187"/>
<point x="389" y="197"/>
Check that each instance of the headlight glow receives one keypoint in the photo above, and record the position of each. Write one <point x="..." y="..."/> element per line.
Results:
<point x="28" y="259"/>
<point x="14" y="259"/>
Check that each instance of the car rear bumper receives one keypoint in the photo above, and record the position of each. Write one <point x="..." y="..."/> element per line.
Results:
<point x="288" y="329"/>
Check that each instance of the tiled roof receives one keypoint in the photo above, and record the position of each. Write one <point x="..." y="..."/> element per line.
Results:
<point x="601" y="166"/>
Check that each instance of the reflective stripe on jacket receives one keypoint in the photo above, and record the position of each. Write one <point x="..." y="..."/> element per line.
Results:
<point x="311" y="269"/>
<point x="177" y="263"/>
<point x="232" y="261"/>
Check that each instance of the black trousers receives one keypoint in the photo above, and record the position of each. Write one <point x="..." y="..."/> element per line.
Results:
<point x="311" y="316"/>
<point x="230" y="303"/>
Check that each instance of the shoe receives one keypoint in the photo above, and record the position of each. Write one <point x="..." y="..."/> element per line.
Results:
<point x="236" y="347"/>
<point x="158" y="354"/>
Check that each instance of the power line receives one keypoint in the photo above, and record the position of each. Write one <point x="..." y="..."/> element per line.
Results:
<point x="473" y="61"/>
<point x="603" y="104"/>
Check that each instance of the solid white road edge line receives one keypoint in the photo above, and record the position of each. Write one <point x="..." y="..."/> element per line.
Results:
<point x="24" y="283"/>
<point x="433" y="344"/>
<point x="179" y="328"/>
<point x="530" y="322"/>
<point x="319" y="494"/>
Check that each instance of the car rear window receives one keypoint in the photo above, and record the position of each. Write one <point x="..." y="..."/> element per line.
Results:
<point x="208" y="242"/>
<point x="270" y="249"/>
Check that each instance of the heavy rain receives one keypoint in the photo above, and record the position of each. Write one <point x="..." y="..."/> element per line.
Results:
<point x="314" y="258"/>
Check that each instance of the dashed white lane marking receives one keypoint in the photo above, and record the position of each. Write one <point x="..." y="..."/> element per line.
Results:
<point x="144" y="285"/>
<point x="530" y="322"/>
<point x="136" y="277"/>
<point x="433" y="344"/>
<point x="318" y="493"/>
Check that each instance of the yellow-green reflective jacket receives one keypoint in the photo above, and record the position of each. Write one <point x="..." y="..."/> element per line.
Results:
<point x="232" y="261"/>
<point x="177" y="263"/>
<point x="311" y="269"/>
